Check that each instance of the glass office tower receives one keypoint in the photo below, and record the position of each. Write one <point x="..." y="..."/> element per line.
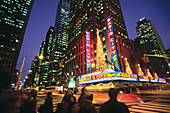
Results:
<point x="149" y="37"/>
<point x="60" y="39"/>
<point x="14" y="15"/>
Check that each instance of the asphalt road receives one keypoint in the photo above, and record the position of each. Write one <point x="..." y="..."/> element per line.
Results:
<point x="144" y="103"/>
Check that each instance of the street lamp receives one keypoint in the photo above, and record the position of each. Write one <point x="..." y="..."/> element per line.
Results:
<point x="30" y="71"/>
<point x="22" y="65"/>
<point x="41" y="57"/>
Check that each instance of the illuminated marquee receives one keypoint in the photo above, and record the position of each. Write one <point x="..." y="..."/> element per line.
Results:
<point x="108" y="77"/>
<point x="161" y="80"/>
<point x="153" y="79"/>
<point x="143" y="78"/>
<point x="112" y="42"/>
<point x="88" y="53"/>
<point x="111" y="76"/>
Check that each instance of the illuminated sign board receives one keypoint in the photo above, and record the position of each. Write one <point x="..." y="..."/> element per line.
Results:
<point x="108" y="77"/>
<point x="161" y="80"/>
<point x="88" y="53"/>
<point x="111" y="76"/>
<point x="143" y="78"/>
<point x="153" y="79"/>
<point x="112" y="42"/>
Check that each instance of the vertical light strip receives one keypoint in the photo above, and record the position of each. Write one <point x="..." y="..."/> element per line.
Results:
<point x="112" y="42"/>
<point x="88" y="53"/>
<point x="83" y="45"/>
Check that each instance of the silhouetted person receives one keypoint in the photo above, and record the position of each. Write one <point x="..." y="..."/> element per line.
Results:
<point x="9" y="99"/>
<point x="48" y="103"/>
<point x="34" y="93"/>
<point x="70" y="91"/>
<point x="74" y="107"/>
<point x="86" y="106"/>
<point x="83" y="92"/>
<point x="112" y="105"/>
<point x="29" y="105"/>
<point x="64" y="105"/>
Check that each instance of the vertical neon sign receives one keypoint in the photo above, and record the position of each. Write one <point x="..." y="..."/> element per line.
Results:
<point x="112" y="42"/>
<point x="88" y="53"/>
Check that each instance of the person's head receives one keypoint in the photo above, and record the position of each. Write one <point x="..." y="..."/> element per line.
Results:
<point x="11" y="103"/>
<point x="24" y="95"/>
<point x="68" y="98"/>
<point x="84" y="90"/>
<point x="29" y="96"/>
<point x="70" y="91"/>
<point x="49" y="94"/>
<point x="113" y="93"/>
<point x="90" y="97"/>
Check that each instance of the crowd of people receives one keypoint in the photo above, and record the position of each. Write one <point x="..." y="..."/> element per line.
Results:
<point x="12" y="101"/>
<point x="84" y="103"/>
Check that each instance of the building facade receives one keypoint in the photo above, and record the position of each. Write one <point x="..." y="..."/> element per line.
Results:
<point x="149" y="37"/>
<point x="14" y="15"/>
<point x="86" y="17"/>
<point x="40" y="69"/>
<point x="150" y="40"/>
<point x="93" y="21"/>
<point x="60" y="40"/>
<point x="89" y="16"/>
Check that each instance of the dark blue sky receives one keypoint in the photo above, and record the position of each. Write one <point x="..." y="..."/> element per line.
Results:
<point x="44" y="12"/>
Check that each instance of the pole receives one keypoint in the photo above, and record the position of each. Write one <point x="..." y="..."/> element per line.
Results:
<point x="20" y="72"/>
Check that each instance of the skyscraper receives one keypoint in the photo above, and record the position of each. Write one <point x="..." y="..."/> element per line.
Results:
<point x="150" y="40"/>
<point x="40" y="69"/>
<point x="148" y="37"/>
<point x="46" y="68"/>
<point x="85" y="18"/>
<point x="14" y="15"/>
<point x="60" y="38"/>
<point x="37" y="69"/>
<point x="34" y="76"/>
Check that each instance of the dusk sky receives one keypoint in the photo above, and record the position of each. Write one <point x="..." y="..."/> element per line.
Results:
<point x="44" y="11"/>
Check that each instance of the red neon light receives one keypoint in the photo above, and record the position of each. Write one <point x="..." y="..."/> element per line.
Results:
<point x="88" y="50"/>
<point x="83" y="50"/>
<point x="92" y="52"/>
<point x="143" y="58"/>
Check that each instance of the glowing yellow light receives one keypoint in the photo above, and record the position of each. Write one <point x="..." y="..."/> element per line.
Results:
<point x="93" y="65"/>
<point x="41" y="57"/>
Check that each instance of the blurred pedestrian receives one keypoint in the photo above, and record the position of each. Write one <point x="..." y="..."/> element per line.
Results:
<point x="112" y="105"/>
<point x="74" y="107"/>
<point x="86" y="106"/>
<point x="83" y="92"/>
<point x="29" y="104"/>
<point x="48" y="103"/>
<point x="9" y="99"/>
<point x="34" y="93"/>
<point x="63" y="106"/>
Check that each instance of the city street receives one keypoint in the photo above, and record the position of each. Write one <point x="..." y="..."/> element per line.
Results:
<point x="59" y="47"/>
<point x="145" y="103"/>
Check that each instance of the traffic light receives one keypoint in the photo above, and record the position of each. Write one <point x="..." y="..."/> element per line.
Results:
<point x="59" y="64"/>
<point x="145" y="59"/>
